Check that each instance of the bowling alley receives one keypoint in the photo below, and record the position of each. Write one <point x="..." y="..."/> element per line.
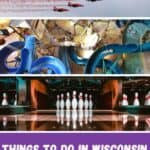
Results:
<point x="75" y="103"/>
<point x="74" y="46"/>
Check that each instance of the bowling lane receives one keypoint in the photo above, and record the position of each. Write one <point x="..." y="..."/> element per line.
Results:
<point x="101" y="120"/>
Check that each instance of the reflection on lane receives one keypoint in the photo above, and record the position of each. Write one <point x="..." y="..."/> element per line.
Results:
<point x="84" y="120"/>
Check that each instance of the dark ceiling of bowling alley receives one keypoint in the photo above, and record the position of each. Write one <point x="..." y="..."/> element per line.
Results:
<point x="139" y="82"/>
<point x="52" y="81"/>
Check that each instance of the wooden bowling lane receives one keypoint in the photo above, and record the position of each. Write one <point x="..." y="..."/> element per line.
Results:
<point x="102" y="120"/>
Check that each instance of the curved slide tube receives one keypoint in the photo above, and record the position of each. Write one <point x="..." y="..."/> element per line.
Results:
<point x="84" y="61"/>
<point x="5" y="52"/>
<point x="27" y="55"/>
<point x="53" y="64"/>
<point x="27" y="64"/>
<point x="27" y="50"/>
<point x="99" y="55"/>
<point x="76" y="59"/>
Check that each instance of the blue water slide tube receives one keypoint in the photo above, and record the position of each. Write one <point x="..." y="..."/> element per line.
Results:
<point x="27" y="55"/>
<point x="50" y="63"/>
<point x="27" y="50"/>
<point x="27" y="62"/>
<point x="5" y="52"/>
<point x="83" y="61"/>
<point x="75" y="58"/>
<point x="99" y="55"/>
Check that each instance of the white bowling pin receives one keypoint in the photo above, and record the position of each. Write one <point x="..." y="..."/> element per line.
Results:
<point x="81" y="115"/>
<point x="4" y="101"/>
<point x="124" y="101"/>
<point x="68" y="103"/>
<point x="74" y="118"/>
<point x="90" y="102"/>
<point x="4" y="121"/>
<point x="86" y="103"/>
<point x="80" y="103"/>
<point x="136" y="120"/>
<point x="86" y="115"/>
<point x="58" y="115"/>
<point x="74" y="101"/>
<point x="62" y="116"/>
<point x="57" y="103"/>
<point x="58" y="109"/>
<point x="62" y="103"/>
<point x="90" y="115"/>
<point x="68" y="116"/>
<point x="147" y="99"/>
<point x="136" y="101"/>
<point x="124" y="119"/>
<point x="15" y="101"/>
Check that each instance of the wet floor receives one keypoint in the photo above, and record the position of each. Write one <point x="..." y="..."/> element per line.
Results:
<point x="100" y="120"/>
